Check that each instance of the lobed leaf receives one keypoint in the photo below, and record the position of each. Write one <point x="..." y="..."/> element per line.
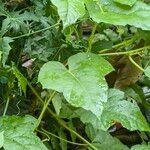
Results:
<point x="18" y="21"/>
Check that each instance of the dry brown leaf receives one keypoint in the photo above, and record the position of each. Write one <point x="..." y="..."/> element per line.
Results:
<point x="127" y="73"/>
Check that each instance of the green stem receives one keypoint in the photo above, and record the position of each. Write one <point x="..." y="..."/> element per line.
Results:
<point x="6" y="106"/>
<point x="61" y="122"/>
<point x="80" y="32"/>
<point x="45" y="107"/>
<point x="35" y="32"/>
<point x="91" y="38"/>
<point x="131" y="52"/>
<point x="76" y="32"/>
<point x="124" y="43"/>
<point x="49" y="133"/>
<point x="134" y="63"/>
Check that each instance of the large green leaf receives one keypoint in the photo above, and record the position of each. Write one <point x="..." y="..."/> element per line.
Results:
<point x="69" y="10"/>
<point x="83" y="85"/>
<point x="116" y="110"/>
<point x="126" y="2"/>
<point x="108" y="11"/>
<point x="147" y="71"/>
<point x="18" y="133"/>
<point x="103" y="140"/>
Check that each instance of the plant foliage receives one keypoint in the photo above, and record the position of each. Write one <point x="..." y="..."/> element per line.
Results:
<point x="82" y="68"/>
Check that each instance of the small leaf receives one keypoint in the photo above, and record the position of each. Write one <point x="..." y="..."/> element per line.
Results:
<point x="3" y="12"/>
<point x="103" y="140"/>
<point x="69" y="10"/>
<point x="1" y="139"/>
<point x="67" y="111"/>
<point x="126" y="2"/>
<point x="5" y="48"/>
<point x="0" y="55"/>
<point x="83" y="85"/>
<point x="57" y="103"/>
<point x="147" y="71"/>
<point x="18" y="133"/>
<point x="22" y="81"/>
<point x="140" y="147"/>
<point x="62" y="135"/>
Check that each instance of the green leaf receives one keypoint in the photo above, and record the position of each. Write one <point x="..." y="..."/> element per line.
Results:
<point x="18" y="21"/>
<point x="147" y="71"/>
<point x="67" y="111"/>
<point x="62" y="135"/>
<point x="1" y="139"/>
<point x="140" y="147"/>
<point x="116" y="110"/>
<point x="0" y="55"/>
<point x="5" y="48"/>
<point x="22" y="81"/>
<point x="126" y="2"/>
<point x="3" y="12"/>
<point x="125" y="112"/>
<point x="83" y="85"/>
<point x="108" y="11"/>
<point x="57" y="103"/>
<point x="103" y="140"/>
<point x="18" y="133"/>
<point x="69" y="10"/>
<point x="72" y="126"/>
